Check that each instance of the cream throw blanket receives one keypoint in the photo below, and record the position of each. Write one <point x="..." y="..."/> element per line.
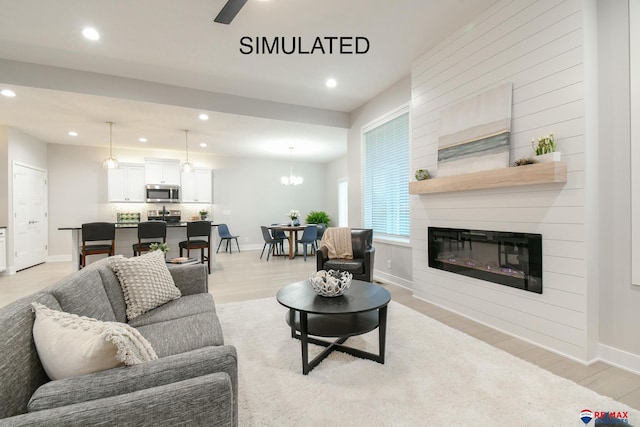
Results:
<point x="338" y="242"/>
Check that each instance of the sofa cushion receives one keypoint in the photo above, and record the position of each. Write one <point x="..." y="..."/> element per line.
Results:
<point x="186" y="305"/>
<point x="354" y="266"/>
<point x="201" y="401"/>
<point x="183" y="334"/>
<point x="21" y="372"/>
<point x="70" y="345"/>
<point x="146" y="282"/>
<point x="111" y="286"/>
<point x="191" y="278"/>
<point x="82" y="293"/>
<point x="166" y="370"/>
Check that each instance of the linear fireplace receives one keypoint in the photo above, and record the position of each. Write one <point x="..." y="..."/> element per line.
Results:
<point x="511" y="259"/>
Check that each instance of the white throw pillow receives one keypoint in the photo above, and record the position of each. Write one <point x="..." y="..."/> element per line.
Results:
<point x="70" y="345"/>
<point x="146" y="282"/>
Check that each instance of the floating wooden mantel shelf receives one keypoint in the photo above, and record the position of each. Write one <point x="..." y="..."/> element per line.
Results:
<point x="537" y="173"/>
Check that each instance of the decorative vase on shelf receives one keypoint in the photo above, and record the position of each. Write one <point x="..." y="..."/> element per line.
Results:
<point x="554" y="156"/>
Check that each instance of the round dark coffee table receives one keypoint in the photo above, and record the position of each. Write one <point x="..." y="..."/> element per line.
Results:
<point x="361" y="309"/>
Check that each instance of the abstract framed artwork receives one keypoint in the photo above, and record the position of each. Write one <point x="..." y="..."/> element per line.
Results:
<point x="475" y="133"/>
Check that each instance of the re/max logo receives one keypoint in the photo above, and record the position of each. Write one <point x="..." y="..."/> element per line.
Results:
<point x="612" y="414"/>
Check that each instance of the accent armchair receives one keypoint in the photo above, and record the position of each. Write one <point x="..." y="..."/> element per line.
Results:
<point x="361" y="266"/>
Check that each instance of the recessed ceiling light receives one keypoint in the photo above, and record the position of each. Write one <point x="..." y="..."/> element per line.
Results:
<point x="142" y="139"/>
<point x="331" y="83"/>
<point x="203" y="116"/>
<point x="73" y="133"/>
<point x="91" y="33"/>
<point x="203" y="144"/>
<point x="8" y="93"/>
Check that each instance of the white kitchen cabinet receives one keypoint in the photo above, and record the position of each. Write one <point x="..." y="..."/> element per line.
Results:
<point x="160" y="171"/>
<point x="126" y="184"/>
<point x="196" y="186"/>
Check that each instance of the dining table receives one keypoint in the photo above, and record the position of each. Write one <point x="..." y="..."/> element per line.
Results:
<point x="293" y="235"/>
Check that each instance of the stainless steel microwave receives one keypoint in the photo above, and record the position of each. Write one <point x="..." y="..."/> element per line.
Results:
<point x="162" y="193"/>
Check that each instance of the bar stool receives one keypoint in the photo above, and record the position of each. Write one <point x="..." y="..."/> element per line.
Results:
<point x="149" y="230"/>
<point x="97" y="232"/>
<point x="198" y="229"/>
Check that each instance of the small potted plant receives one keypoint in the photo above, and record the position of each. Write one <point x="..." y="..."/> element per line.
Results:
<point x="422" y="174"/>
<point x="318" y="217"/>
<point x="159" y="247"/>
<point x="203" y="214"/>
<point x="321" y="219"/>
<point x="294" y="216"/>
<point x="545" y="149"/>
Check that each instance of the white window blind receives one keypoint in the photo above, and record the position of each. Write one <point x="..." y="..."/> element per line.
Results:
<point x="386" y="176"/>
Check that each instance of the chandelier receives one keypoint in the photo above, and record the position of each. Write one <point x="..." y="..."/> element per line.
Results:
<point x="291" y="180"/>
<point x="110" y="162"/>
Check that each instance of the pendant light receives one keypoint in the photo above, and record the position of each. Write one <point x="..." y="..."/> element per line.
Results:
<point x="186" y="166"/>
<point x="291" y="180"/>
<point x="110" y="162"/>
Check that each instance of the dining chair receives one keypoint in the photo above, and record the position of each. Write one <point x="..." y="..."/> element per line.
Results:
<point x="281" y="236"/>
<point x="269" y="240"/>
<point x="101" y="232"/>
<point x="225" y="235"/>
<point x="309" y="236"/>
<point x="321" y="230"/>
<point x="155" y="230"/>
<point x="199" y="229"/>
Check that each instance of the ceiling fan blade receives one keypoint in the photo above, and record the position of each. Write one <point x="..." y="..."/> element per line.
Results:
<point x="229" y="11"/>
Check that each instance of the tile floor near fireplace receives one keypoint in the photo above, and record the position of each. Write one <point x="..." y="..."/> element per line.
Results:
<point x="507" y="258"/>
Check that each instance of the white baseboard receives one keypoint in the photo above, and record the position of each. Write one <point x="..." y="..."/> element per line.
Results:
<point x="394" y="280"/>
<point x="619" y="358"/>
<point x="245" y="247"/>
<point x="59" y="258"/>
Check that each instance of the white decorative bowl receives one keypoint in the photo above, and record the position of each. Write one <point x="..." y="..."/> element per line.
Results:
<point x="330" y="283"/>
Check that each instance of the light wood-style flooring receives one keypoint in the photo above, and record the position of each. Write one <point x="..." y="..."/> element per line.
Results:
<point x="243" y="276"/>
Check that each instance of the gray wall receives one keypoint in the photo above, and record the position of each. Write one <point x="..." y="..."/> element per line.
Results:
<point x="247" y="192"/>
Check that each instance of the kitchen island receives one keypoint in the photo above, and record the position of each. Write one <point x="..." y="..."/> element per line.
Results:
<point x="127" y="235"/>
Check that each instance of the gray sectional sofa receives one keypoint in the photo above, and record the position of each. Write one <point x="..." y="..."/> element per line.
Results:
<point x="193" y="382"/>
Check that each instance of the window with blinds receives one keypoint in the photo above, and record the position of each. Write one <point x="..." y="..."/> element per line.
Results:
<point x="386" y="175"/>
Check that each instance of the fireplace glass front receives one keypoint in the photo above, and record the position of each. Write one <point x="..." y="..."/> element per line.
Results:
<point x="511" y="259"/>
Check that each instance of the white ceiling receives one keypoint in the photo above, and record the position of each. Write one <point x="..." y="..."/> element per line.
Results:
<point x="177" y="43"/>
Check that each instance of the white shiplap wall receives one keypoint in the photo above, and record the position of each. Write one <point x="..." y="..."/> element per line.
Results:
<point x="538" y="46"/>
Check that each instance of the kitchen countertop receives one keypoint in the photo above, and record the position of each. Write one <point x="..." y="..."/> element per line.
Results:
<point x="135" y="225"/>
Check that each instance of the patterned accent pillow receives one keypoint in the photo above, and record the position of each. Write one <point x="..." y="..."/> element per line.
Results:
<point x="145" y="281"/>
<point x="70" y="345"/>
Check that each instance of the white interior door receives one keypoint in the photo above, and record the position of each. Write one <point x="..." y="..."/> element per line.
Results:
<point x="29" y="216"/>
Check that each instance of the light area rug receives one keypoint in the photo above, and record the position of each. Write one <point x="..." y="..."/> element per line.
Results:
<point x="433" y="375"/>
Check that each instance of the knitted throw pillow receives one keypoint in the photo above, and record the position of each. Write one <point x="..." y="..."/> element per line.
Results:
<point x="70" y="345"/>
<point x="145" y="281"/>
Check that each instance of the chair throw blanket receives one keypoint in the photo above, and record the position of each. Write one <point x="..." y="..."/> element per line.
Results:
<point x="338" y="242"/>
